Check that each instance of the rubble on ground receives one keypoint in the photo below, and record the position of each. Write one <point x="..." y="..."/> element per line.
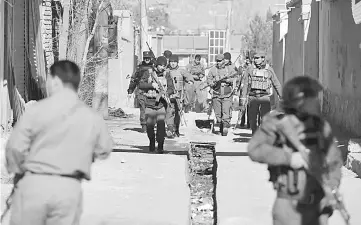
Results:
<point x="202" y="180"/>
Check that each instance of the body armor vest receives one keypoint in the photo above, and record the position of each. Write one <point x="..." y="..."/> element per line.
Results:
<point x="297" y="183"/>
<point x="177" y="79"/>
<point x="196" y="70"/>
<point x="261" y="79"/>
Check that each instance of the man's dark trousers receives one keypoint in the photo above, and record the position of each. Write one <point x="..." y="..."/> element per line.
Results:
<point x="258" y="106"/>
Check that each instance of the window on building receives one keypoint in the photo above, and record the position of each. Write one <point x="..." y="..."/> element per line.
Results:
<point x="217" y="40"/>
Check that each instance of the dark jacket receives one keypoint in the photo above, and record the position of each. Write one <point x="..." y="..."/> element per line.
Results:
<point x="146" y="88"/>
<point x="135" y="79"/>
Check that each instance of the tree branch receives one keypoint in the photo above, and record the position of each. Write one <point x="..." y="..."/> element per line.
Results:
<point x="83" y="62"/>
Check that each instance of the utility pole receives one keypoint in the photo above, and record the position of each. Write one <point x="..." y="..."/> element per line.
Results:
<point x="143" y="27"/>
<point x="229" y="21"/>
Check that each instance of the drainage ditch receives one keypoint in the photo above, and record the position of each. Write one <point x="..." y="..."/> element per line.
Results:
<point x="202" y="183"/>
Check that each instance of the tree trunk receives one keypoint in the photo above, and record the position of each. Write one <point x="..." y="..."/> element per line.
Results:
<point x="100" y="96"/>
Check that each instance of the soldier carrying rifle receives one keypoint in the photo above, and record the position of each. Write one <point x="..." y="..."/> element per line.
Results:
<point x="223" y="82"/>
<point x="156" y="85"/>
<point x="174" y="113"/>
<point x="304" y="162"/>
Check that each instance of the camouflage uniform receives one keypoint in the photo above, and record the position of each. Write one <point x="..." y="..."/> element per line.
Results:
<point x="300" y="198"/>
<point x="222" y="93"/>
<point x="155" y="111"/>
<point x="133" y="87"/>
<point x="195" y="97"/>
<point x="180" y="78"/>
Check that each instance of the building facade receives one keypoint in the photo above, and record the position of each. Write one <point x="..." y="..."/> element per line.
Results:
<point x="208" y="45"/>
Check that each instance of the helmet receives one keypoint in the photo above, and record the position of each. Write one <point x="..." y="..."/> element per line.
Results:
<point x="227" y="55"/>
<point x="161" y="60"/>
<point x="174" y="58"/>
<point x="147" y="54"/>
<point x="167" y="54"/>
<point x="299" y="88"/>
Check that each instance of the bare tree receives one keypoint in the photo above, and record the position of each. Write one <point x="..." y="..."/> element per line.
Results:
<point x="259" y="34"/>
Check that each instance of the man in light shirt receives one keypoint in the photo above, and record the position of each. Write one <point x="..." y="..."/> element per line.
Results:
<point x="52" y="148"/>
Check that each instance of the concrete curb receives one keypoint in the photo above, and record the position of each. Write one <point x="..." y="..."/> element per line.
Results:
<point x="353" y="161"/>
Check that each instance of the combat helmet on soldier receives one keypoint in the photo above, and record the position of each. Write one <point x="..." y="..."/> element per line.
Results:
<point x="300" y="94"/>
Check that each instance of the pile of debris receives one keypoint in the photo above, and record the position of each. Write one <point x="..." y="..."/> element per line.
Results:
<point x="202" y="182"/>
<point x="117" y="112"/>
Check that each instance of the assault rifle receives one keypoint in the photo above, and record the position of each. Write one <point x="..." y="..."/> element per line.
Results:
<point x="8" y="202"/>
<point x="231" y="75"/>
<point x="152" y="53"/>
<point x="302" y="149"/>
<point x="162" y="92"/>
<point x="243" y="107"/>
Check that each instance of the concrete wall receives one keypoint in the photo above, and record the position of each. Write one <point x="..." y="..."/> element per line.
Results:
<point x="340" y="40"/>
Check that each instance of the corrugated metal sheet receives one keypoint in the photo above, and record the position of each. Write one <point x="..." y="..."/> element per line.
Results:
<point x="19" y="46"/>
<point x="356" y="10"/>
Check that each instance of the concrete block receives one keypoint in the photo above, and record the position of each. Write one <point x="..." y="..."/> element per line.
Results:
<point x="353" y="163"/>
<point x="354" y="145"/>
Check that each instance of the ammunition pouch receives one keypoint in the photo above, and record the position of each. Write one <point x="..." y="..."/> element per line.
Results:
<point x="295" y="184"/>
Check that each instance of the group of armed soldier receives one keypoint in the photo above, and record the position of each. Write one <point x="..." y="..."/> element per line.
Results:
<point x="164" y="91"/>
<point x="51" y="153"/>
<point x="294" y="140"/>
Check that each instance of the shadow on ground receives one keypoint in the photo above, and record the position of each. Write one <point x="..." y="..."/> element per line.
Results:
<point x="145" y="150"/>
<point x="136" y="129"/>
<point x="241" y="140"/>
<point x="246" y="135"/>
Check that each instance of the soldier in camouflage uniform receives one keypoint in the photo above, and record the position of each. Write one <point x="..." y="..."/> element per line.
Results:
<point x="134" y="82"/>
<point x="258" y="87"/>
<point x="300" y="198"/>
<point x="180" y="77"/>
<point x="156" y="104"/>
<point x="222" y="92"/>
<point x="196" y="97"/>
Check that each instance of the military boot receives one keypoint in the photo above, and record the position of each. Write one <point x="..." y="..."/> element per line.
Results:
<point x="176" y="132"/>
<point x="144" y="128"/>
<point x="160" y="149"/>
<point x="151" y="136"/>
<point x="160" y="135"/>
<point x="224" y="130"/>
